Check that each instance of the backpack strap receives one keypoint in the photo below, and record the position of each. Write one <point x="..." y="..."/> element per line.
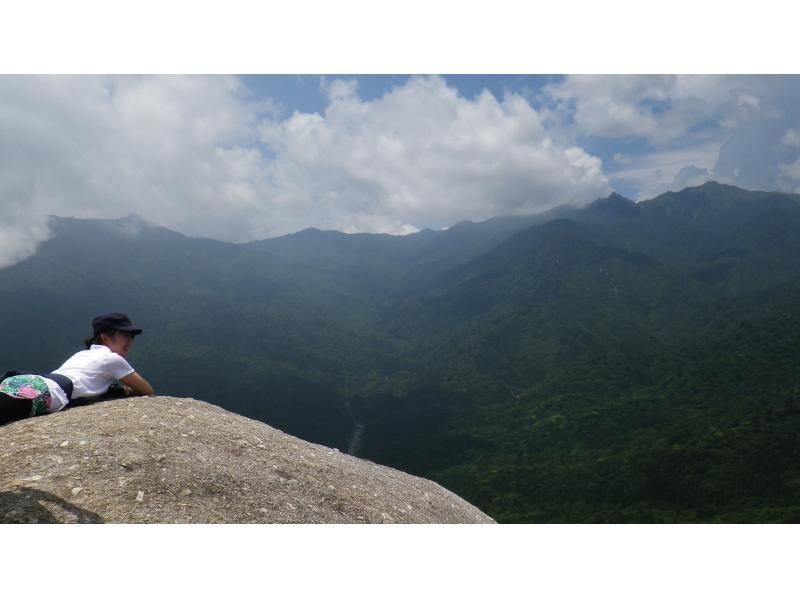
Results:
<point x="64" y="382"/>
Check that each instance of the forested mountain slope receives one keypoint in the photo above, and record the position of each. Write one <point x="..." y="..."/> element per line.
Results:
<point x="621" y="362"/>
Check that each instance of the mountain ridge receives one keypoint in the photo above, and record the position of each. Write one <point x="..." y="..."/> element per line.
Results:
<point x="501" y="359"/>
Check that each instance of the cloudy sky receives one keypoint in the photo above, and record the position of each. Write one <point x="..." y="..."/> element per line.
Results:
<point x="247" y="157"/>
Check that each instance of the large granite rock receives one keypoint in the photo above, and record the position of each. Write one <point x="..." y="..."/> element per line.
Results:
<point x="169" y="460"/>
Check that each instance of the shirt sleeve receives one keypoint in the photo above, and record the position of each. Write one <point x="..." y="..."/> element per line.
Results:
<point x="117" y="367"/>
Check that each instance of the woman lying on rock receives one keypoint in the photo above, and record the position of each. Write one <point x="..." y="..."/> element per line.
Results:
<point x="87" y="374"/>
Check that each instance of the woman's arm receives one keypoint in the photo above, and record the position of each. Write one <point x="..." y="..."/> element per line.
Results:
<point x="138" y="384"/>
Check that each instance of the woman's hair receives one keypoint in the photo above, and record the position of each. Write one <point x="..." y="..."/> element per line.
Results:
<point x="95" y="340"/>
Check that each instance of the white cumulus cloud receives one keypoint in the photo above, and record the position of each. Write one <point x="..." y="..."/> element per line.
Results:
<point x="422" y="155"/>
<point x="792" y="137"/>
<point x="751" y="120"/>
<point x="203" y="156"/>
<point x="650" y="107"/>
<point x="180" y="151"/>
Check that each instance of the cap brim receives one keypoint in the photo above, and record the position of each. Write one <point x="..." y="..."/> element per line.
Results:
<point x="132" y="329"/>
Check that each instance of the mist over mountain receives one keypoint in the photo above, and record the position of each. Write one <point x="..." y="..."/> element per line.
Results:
<point x="621" y="362"/>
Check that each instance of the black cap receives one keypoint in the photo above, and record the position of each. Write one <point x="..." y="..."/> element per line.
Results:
<point x="114" y="321"/>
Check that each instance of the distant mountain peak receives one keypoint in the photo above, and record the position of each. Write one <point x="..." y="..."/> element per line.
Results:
<point x="709" y="192"/>
<point x="613" y="205"/>
<point x="131" y="225"/>
<point x="311" y="230"/>
<point x="715" y="185"/>
<point x="615" y="197"/>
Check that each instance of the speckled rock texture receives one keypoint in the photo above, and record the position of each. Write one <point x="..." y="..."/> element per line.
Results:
<point x="171" y="460"/>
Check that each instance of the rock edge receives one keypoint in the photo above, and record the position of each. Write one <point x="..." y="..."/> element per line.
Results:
<point x="176" y="460"/>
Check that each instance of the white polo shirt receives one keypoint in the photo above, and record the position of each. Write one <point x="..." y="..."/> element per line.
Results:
<point x="92" y="371"/>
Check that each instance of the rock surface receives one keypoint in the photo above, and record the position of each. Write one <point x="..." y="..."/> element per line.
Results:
<point x="170" y="460"/>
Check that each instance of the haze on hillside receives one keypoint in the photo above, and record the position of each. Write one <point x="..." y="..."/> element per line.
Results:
<point x="621" y="362"/>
